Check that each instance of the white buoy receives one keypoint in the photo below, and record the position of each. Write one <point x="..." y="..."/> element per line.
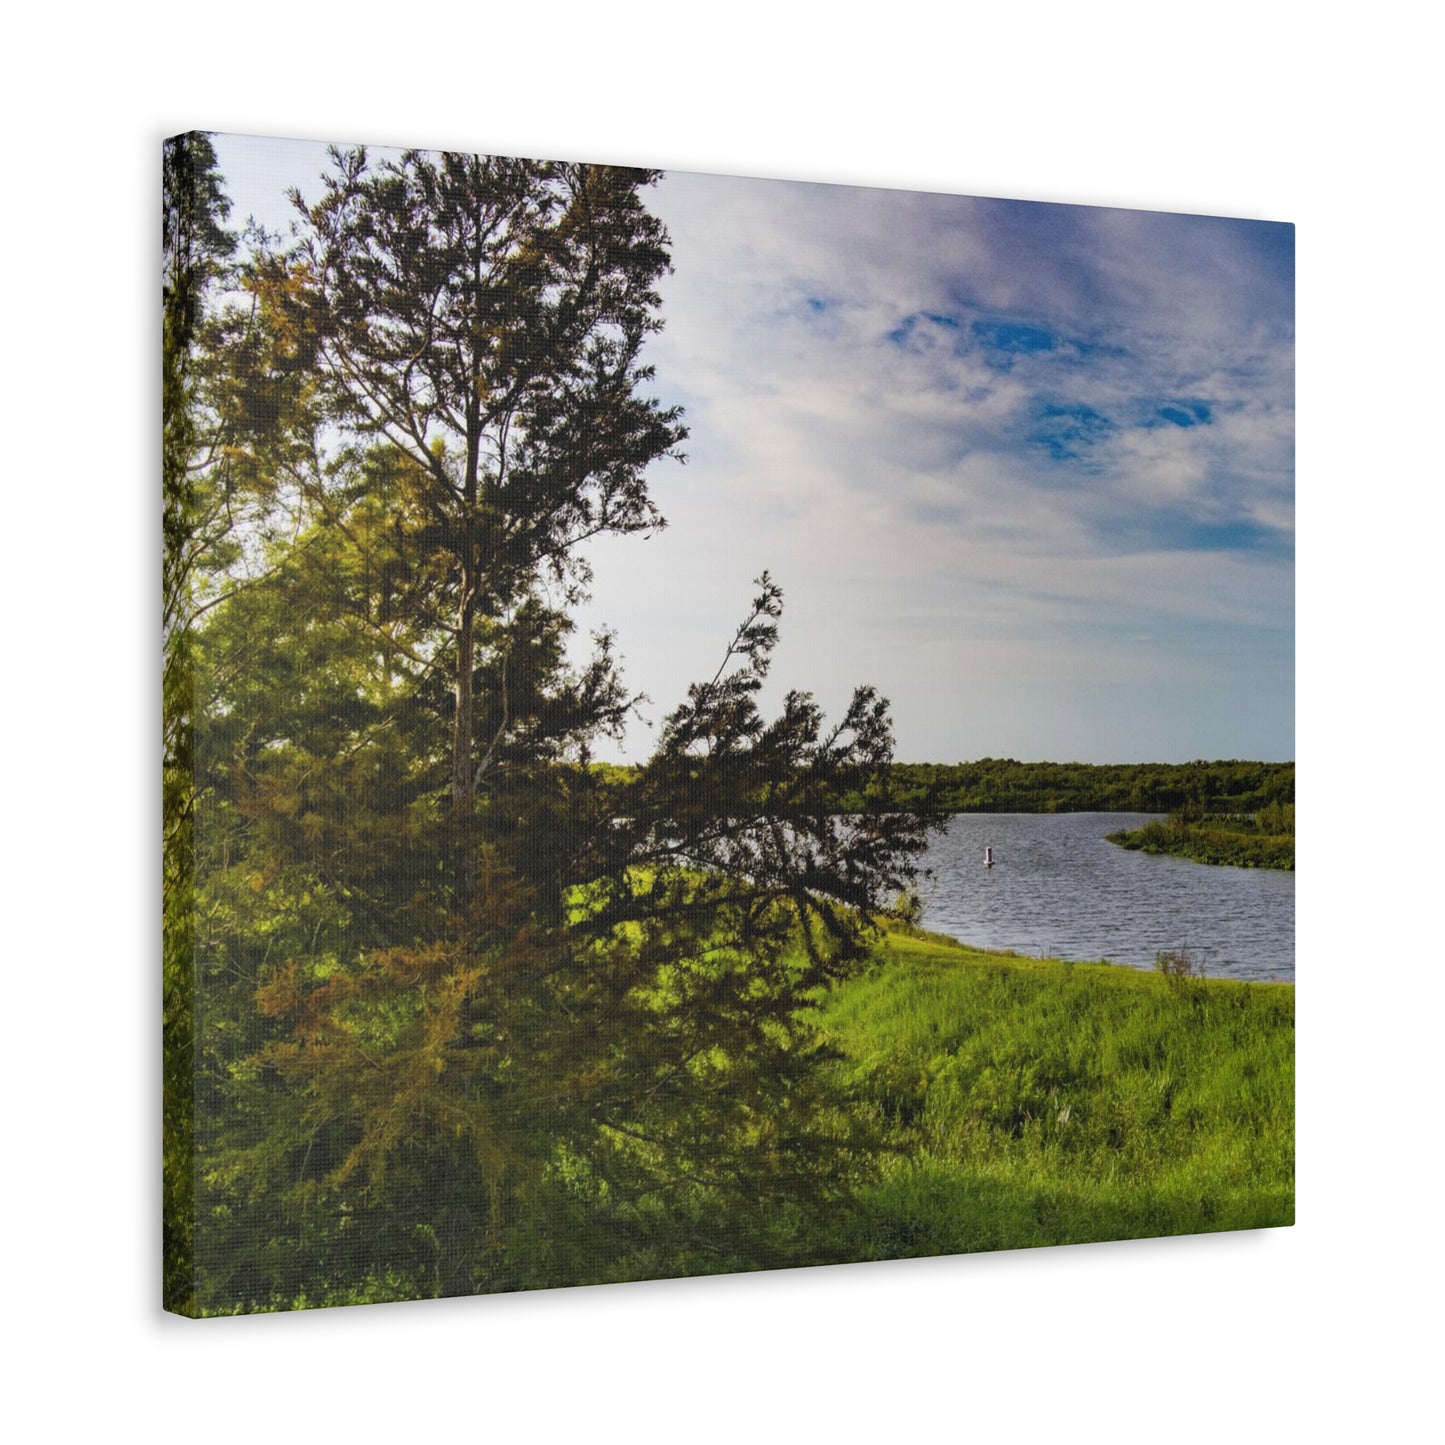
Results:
<point x="988" y="857"/>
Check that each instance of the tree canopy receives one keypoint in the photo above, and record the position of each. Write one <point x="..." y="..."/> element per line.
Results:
<point x="470" y="1014"/>
<point x="484" y="317"/>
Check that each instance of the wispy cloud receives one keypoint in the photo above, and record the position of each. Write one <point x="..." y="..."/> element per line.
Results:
<point x="1055" y="435"/>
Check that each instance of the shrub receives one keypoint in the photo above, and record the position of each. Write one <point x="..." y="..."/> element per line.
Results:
<point x="1180" y="963"/>
<point x="908" y="908"/>
<point x="1276" y="819"/>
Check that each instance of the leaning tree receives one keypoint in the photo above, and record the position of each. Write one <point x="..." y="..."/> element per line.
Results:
<point x="514" y="1024"/>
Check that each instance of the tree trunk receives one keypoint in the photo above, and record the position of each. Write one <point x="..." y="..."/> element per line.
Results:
<point x="464" y="785"/>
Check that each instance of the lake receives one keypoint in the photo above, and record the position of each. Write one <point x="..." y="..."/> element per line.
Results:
<point x="1058" y="889"/>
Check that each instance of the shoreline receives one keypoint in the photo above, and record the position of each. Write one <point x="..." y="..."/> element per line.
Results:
<point x="1213" y="846"/>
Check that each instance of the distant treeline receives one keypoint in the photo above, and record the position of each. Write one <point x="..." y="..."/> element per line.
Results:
<point x="1004" y="785"/>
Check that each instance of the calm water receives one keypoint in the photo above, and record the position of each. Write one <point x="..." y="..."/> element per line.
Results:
<point x="1058" y="889"/>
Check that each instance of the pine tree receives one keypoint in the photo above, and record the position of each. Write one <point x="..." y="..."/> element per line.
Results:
<point x="478" y="1015"/>
<point x="485" y="317"/>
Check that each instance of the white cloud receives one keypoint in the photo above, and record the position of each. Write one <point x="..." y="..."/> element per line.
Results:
<point x="1000" y="580"/>
<point x="922" y="530"/>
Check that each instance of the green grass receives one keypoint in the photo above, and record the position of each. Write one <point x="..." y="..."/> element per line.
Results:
<point x="1037" y="1102"/>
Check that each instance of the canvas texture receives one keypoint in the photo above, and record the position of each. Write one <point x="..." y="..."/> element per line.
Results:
<point x="712" y="724"/>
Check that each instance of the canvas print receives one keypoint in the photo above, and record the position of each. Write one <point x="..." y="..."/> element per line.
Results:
<point x="712" y="724"/>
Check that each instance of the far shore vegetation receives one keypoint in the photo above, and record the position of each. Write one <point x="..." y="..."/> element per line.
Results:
<point x="1226" y="788"/>
<point x="1261" y="840"/>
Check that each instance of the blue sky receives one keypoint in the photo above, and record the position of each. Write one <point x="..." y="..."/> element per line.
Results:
<point x="1027" y="468"/>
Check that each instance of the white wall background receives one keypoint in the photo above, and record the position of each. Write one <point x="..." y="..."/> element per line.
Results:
<point x="1324" y="1331"/>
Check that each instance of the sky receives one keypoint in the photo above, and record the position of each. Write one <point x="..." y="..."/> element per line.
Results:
<point x="1026" y="468"/>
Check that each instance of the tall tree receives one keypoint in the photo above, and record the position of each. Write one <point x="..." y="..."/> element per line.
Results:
<point x="489" y="1021"/>
<point x="485" y="316"/>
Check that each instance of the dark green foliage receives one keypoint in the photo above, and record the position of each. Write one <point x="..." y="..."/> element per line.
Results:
<point x="993" y="785"/>
<point x="482" y="318"/>
<point x="193" y="248"/>
<point x="600" y="1066"/>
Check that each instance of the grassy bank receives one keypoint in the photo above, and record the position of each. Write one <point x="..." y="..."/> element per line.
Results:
<point x="1038" y="1102"/>
<point x="1236" y="843"/>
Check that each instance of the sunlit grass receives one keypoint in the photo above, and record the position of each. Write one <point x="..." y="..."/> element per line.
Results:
<point x="1040" y="1102"/>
